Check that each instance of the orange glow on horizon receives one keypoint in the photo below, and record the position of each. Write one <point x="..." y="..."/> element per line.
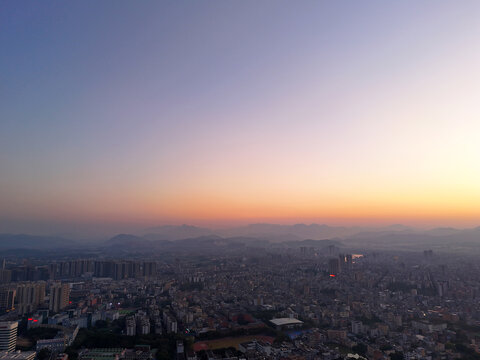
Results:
<point x="414" y="210"/>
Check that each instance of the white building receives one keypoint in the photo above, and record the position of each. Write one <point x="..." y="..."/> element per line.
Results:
<point x="8" y="335"/>
<point x="357" y="327"/>
<point x="131" y="326"/>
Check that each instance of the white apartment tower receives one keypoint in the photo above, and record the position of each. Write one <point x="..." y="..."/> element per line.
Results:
<point x="8" y="335"/>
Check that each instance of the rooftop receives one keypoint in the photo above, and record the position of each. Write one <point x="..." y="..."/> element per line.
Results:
<point x="285" y="321"/>
<point x="17" y="355"/>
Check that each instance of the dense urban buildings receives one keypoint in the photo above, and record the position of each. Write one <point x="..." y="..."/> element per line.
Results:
<point x="248" y="300"/>
<point x="30" y="296"/>
<point x="239" y="180"/>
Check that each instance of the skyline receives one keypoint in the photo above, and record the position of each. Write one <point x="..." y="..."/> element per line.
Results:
<point x="142" y="114"/>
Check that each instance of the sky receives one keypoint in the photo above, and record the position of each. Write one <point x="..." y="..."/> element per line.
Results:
<point x="141" y="113"/>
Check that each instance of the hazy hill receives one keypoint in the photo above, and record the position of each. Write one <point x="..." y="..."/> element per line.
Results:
<point x="269" y="232"/>
<point x="128" y="241"/>
<point x="314" y="243"/>
<point x="447" y="241"/>
<point x="185" y="237"/>
<point x="170" y="232"/>
<point x="23" y="241"/>
<point x="304" y="231"/>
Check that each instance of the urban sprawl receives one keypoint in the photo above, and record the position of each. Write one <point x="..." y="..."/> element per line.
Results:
<point x="245" y="303"/>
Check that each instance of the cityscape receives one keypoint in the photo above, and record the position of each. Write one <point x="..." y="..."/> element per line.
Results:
<point x="240" y="298"/>
<point x="239" y="180"/>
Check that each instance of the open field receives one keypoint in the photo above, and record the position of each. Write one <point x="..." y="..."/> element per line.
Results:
<point x="229" y="342"/>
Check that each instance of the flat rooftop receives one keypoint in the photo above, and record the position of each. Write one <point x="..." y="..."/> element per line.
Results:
<point x="286" y="321"/>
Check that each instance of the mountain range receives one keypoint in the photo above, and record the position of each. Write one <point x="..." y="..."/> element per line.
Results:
<point x="190" y="237"/>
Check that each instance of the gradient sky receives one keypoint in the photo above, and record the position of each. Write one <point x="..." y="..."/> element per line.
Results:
<point x="211" y="112"/>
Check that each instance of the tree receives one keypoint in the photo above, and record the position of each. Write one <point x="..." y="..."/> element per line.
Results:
<point x="360" y="349"/>
<point x="397" y="355"/>
<point x="100" y="324"/>
<point x="241" y="320"/>
<point x="44" y="354"/>
<point x="162" y="354"/>
<point x="280" y="337"/>
<point x="72" y="354"/>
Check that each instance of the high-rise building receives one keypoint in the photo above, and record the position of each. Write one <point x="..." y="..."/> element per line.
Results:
<point x="7" y="299"/>
<point x="349" y="260"/>
<point x="357" y="327"/>
<point x="8" y="335"/>
<point x="59" y="296"/>
<point x="131" y="326"/>
<point x="334" y="266"/>
<point x="5" y="276"/>
<point x="149" y="268"/>
<point x="30" y="296"/>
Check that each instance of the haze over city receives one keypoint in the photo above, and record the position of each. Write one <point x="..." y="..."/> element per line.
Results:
<point x="128" y="115"/>
<point x="239" y="180"/>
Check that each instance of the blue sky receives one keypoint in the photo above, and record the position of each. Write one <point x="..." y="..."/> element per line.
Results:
<point x="158" y="112"/>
